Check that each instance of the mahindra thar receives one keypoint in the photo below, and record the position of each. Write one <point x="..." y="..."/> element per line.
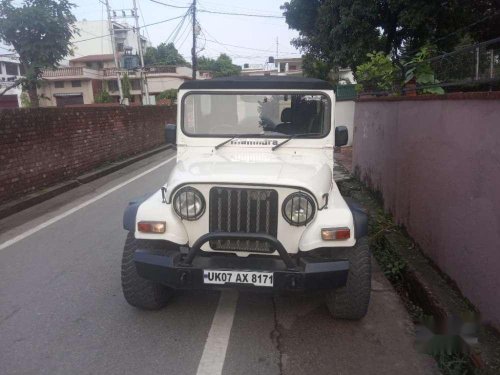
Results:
<point x="251" y="201"/>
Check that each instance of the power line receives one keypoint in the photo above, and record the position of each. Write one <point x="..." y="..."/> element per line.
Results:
<point x="184" y="35"/>
<point x="143" y="20"/>
<point x="194" y="62"/>
<point x="215" y="39"/>
<point x="231" y="7"/>
<point x="149" y="24"/>
<point x="248" y="48"/>
<point x="456" y="31"/>
<point x="219" y="12"/>
<point x="176" y="30"/>
<point x="185" y="38"/>
<point x="170" y="5"/>
<point x="239" y="14"/>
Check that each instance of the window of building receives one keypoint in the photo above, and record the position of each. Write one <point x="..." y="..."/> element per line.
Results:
<point x="22" y="71"/>
<point x="136" y="84"/>
<point x="112" y="86"/>
<point x="96" y="65"/>
<point x="11" y="69"/>
<point x="59" y="84"/>
<point x="120" y="47"/>
<point x="293" y="67"/>
<point x="282" y="67"/>
<point x="76" y="83"/>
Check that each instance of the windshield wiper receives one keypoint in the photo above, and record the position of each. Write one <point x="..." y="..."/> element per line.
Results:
<point x="236" y="136"/>
<point x="295" y="136"/>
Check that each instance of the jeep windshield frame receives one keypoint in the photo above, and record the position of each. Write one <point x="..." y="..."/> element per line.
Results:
<point x="267" y="129"/>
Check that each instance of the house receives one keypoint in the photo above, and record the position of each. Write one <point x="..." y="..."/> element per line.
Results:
<point x="86" y="77"/>
<point x="93" y="70"/>
<point x="268" y="69"/>
<point x="94" y="38"/>
<point x="275" y="67"/>
<point x="289" y="66"/>
<point x="10" y="71"/>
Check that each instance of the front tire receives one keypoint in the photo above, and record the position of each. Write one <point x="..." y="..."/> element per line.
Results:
<point x="351" y="301"/>
<point x="140" y="292"/>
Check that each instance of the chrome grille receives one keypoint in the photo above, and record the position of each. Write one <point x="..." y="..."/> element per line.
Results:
<point x="243" y="211"/>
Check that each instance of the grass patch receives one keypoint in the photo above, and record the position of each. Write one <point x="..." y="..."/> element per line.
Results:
<point x="448" y="351"/>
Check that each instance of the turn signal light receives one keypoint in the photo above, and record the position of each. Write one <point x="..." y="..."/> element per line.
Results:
<point x="151" y="226"/>
<point x="334" y="234"/>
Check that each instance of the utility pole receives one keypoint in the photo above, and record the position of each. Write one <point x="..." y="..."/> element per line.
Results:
<point x="276" y="63"/>
<point x="277" y="47"/>
<point x="115" y="53"/>
<point x="141" y="55"/>
<point x="193" y="51"/>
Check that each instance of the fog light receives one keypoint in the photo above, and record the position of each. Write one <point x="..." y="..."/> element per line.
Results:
<point x="334" y="234"/>
<point x="151" y="226"/>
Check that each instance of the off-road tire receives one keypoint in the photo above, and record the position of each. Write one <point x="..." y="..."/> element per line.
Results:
<point x="140" y="292"/>
<point x="351" y="301"/>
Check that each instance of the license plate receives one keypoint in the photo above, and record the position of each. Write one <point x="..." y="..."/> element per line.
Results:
<point x="238" y="277"/>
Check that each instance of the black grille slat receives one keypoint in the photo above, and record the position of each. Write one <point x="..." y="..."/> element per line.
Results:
<point x="242" y="210"/>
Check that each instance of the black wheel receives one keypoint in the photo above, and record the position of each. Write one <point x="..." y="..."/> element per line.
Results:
<point x="351" y="301"/>
<point x="140" y="292"/>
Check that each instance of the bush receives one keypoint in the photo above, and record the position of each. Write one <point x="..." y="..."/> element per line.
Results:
<point x="377" y="74"/>
<point x="103" y="97"/>
<point x="168" y="94"/>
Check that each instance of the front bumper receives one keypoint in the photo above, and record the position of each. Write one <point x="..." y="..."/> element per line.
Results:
<point x="185" y="271"/>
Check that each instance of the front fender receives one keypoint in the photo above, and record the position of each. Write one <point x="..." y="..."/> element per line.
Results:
<point x="153" y="209"/>
<point x="337" y="215"/>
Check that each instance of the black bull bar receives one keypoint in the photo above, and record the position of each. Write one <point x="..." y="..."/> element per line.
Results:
<point x="186" y="271"/>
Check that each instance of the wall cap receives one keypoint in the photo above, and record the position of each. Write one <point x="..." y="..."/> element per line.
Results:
<point x="489" y="95"/>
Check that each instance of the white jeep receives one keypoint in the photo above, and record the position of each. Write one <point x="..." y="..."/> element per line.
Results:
<point x="252" y="202"/>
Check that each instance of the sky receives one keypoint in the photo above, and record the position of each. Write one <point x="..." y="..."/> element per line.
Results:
<point x="252" y="39"/>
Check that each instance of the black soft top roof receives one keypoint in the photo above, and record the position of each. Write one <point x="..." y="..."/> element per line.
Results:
<point x="258" y="82"/>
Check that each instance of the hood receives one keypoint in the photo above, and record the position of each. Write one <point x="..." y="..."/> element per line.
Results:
<point x="310" y="173"/>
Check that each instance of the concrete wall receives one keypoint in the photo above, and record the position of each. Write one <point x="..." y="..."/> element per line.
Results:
<point x="437" y="164"/>
<point x="48" y="89"/>
<point x="344" y="115"/>
<point x="45" y="146"/>
<point x="157" y="84"/>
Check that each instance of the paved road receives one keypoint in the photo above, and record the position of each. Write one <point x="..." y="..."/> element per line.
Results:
<point x="62" y="311"/>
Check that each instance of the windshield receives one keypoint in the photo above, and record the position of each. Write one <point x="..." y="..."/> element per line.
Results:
<point x="270" y="115"/>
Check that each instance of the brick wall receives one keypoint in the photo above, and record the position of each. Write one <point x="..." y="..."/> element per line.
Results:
<point x="436" y="161"/>
<point x="41" y="147"/>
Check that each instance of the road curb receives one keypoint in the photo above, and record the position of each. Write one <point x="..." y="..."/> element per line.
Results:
<point x="32" y="199"/>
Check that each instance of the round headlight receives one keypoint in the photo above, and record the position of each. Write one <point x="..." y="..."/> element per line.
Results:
<point x="298" y="209"/>
<point x="189" y="203"/>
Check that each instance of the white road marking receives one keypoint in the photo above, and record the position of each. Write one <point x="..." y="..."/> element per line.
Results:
<point x="214" y="353"/>
<point x="55" y="219"/>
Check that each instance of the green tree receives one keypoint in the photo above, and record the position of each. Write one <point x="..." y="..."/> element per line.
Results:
<point x="341" y="33"/>
<point x="164" y="54"/>
<point x="126" y="86"/>
<point x="316" y="68"/>
<point x="221" y="67"/>
<point x="40" y="31"/>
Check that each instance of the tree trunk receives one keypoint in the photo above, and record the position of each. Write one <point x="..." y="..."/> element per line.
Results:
<point x="35" y="103"/>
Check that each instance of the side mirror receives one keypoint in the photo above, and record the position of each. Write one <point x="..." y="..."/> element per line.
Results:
<point x="341" y="136"/>
<point x="171" y="133"/>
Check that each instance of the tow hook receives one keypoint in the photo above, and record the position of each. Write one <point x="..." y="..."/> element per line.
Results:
<point x="184" y="278"/>
<point x="293" y="282"/>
